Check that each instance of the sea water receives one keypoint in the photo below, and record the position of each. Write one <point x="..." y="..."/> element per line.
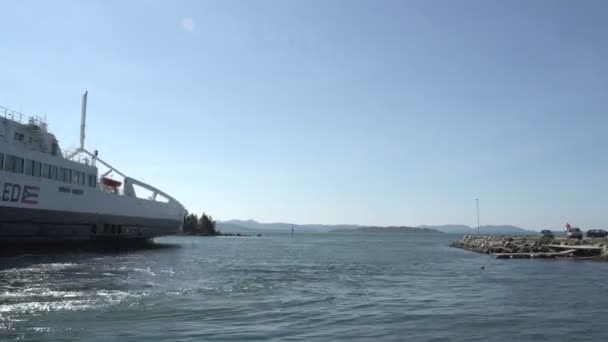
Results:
<point x="309" y="287"/>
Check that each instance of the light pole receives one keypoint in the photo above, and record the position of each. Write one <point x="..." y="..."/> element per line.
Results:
<point x="477" y="200"/>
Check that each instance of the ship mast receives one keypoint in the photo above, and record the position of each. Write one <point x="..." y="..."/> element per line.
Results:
<point x="83" y="119"/>
<point x="82" y="149"/>
<point x="128" y="181"/>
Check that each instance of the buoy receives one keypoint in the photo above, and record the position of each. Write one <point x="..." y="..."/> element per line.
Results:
<point x="483" y="267"/>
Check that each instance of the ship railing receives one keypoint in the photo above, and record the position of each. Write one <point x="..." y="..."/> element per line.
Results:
<point x="77" y="158"/>
<point x="21" y="118"/>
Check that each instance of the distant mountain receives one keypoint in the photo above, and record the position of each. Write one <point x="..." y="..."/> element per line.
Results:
<point x="252" y="226"/>
<point x="255" y="225"/>
<point x="392" y="229"/>
<point x="451" y="228"/>
<point x="505" y="230"/>
<point x="491" y="230"/>
<point x="226" y="227"/>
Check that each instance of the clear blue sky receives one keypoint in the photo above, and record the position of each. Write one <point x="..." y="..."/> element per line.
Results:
<point x="371" y="112"/>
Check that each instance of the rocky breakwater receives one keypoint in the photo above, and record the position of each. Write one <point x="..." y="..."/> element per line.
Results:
<point x="525" y="246"/>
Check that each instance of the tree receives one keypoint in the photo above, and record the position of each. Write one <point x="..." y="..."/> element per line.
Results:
<point x="206" y="225"/>
<point x="190" y="223"/>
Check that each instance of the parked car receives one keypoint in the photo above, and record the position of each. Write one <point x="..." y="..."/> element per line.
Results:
<point x="574" y="233"/>
<point x="597" y="233"/>
<point x="547" y="234"/>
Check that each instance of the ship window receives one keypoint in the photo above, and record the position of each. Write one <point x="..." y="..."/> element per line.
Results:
<point x="18" y="165"/>
<point x="92" y="181"/>
<point x="83" y="179"/>
<point x="55" y="173"/>
<point x="46" y="171"/>
<point x="13" y="164"/>
<point x="1" y="160"/>
<point x="37" y="169"/>
<point x="9" y="163"/>
<point x="67" y="175"/>
<point x="29" y="167"/>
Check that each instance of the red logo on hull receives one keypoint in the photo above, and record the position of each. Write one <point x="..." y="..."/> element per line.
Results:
<point x="30" y="194"/>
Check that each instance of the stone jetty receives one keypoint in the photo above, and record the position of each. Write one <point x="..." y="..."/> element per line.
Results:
<point x="512" y="247"/>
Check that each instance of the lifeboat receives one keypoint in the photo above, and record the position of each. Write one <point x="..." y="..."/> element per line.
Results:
<point x="110" y="183"/>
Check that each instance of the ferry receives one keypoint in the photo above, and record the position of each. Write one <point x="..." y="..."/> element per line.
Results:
<point x="48" y="195"/>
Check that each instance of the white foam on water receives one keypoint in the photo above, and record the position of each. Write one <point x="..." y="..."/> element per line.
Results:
<point x="35" y="307"/>
<point x="115" y="296"/>
<point x="146" y="270"/>
<point x="168" y="271"/>
<point x="40" y="292"/>
<point x="38" y="268"/>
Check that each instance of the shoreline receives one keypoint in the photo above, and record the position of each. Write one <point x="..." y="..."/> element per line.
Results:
<point x="518" y="247"/>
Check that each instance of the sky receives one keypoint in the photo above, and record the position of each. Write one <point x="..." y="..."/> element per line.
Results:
<point x="341" y="111"/>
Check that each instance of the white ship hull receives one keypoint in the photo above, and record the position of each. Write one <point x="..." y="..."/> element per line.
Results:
<point x="48" y="197"/>
<point x="34" y="209"/>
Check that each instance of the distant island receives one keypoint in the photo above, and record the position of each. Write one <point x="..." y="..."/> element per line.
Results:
<point x="390" y="229"/>
<point x="202" y="226"/>
<point x="254" y="227"/>
<point x="205" y="225"/>
<point x="486" y="230"/>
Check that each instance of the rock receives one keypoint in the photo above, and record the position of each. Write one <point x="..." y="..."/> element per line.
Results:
<point x="525" y="245"/>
